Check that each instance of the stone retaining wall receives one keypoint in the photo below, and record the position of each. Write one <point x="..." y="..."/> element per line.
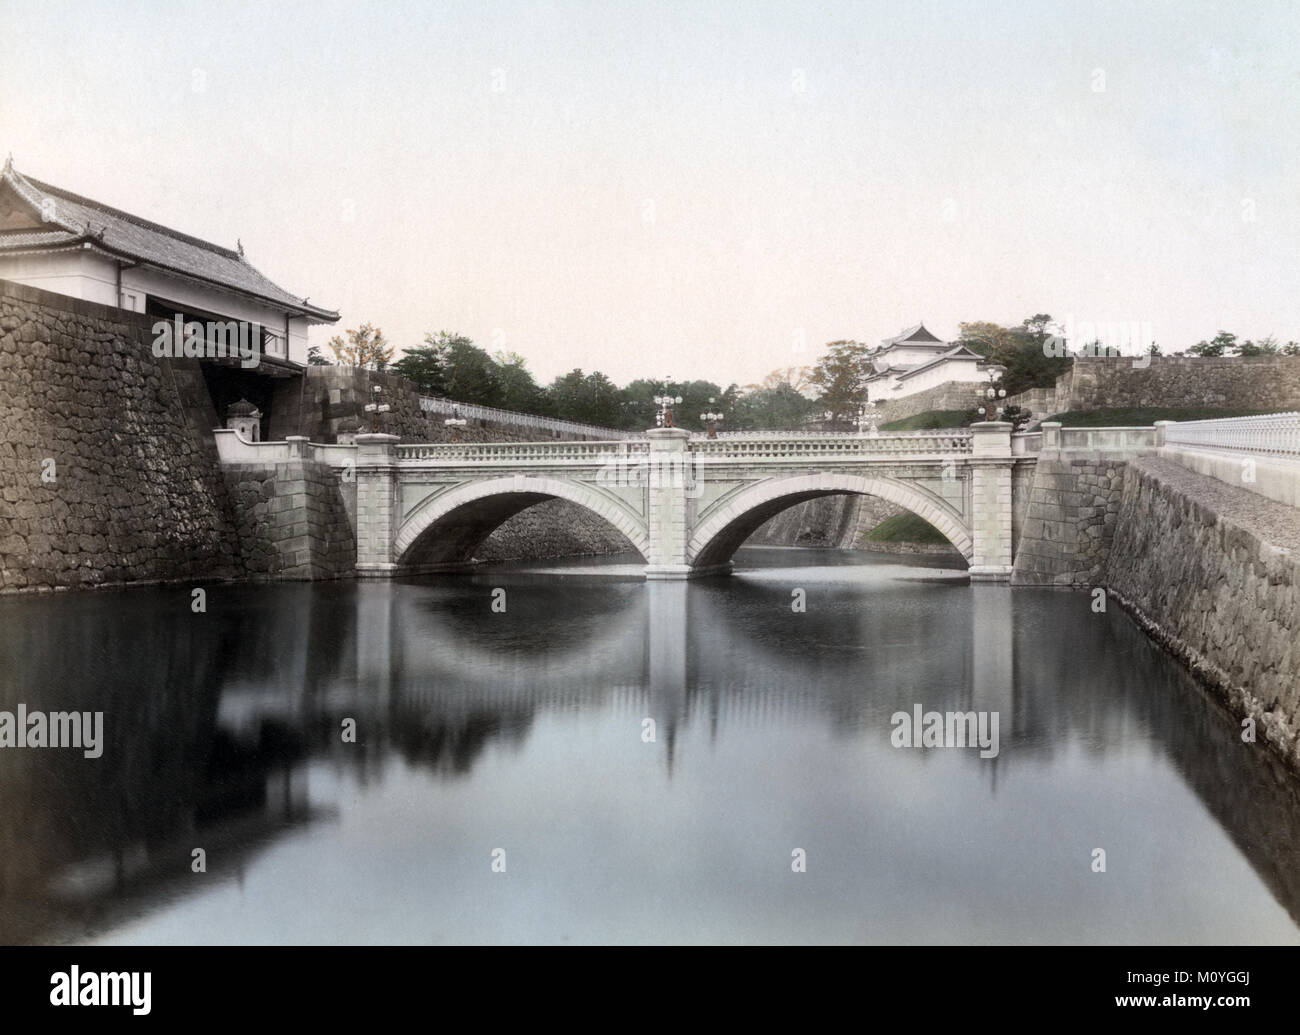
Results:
<point x="1212" y="572"/>
<point x="553" y="528"/>
<point x="293" y="520"/>
<point x="1262" y="383"/>
<point x="952" y="395"/>
<point x="1072" y="510"/>
<point x="108" y="474"/>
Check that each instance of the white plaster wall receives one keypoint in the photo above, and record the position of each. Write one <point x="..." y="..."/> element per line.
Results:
<point x="224" y="303"/>
<point x="76" y="273"/>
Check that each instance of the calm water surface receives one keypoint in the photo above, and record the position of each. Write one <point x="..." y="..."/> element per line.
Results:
<point x="521" y="737"/>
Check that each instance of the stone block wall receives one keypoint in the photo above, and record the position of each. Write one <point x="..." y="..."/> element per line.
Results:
<point x="553" y="528"/>
<point x="1069" y="519"/>
<point x="953" y="395"/>
<point x="835" y="522"/>
<point x="1212" y="572"/>
<point x="106" y="475"/>
<point x="293" y="520"/>
<point x="1263" y="382"/>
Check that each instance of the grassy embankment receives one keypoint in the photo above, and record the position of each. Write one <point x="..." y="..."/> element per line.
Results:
<point x="904" y="528"/>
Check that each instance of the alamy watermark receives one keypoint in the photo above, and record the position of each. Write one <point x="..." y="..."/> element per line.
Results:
<point x="921" y="729"/>
<point x="37" y="729"/>
<point x="214" y="339"/>
<point x="1102" y="339"/>
<point x="673" y="470"/>
<point x="131" y="988"/>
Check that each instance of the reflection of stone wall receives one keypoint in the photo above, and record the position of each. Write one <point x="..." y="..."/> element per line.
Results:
<point x="1212" y="571"/>
<point x="136" y="493"/>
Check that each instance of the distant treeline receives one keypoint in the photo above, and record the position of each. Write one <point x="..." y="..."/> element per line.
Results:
<point x="450" y="365"/>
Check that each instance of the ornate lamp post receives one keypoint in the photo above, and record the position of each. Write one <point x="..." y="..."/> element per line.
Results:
<point x="712" y="419"/>
<point x="455" y="423"/>
<point x="664" y="418"/>
<point x="867" y="419"/>
<point x="993" y="411"/>
<point x="376" y="408"/>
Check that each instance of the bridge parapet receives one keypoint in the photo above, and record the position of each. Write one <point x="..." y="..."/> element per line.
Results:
<point x="1097" y="442"/>
<point x="521" y="453"/>
<point x="829" y="446"/>
<point x="1260" y="454"/>
<point x="1275" y="435"/>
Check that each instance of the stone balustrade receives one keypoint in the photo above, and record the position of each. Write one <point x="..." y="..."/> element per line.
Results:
<point x="519" y="452"/>
<point x="830" y="445"/>
<point x="1275" y="435"/>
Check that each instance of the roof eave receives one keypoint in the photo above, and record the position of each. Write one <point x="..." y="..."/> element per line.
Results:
<point x="311" y="313"/>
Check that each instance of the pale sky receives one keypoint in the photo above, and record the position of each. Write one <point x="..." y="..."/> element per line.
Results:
<point x="693" y="189"/>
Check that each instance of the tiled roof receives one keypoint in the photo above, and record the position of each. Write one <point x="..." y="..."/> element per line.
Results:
<point x="74" y="219"/>
<point x="919" y="333"/>
<point x="959" y="352"/>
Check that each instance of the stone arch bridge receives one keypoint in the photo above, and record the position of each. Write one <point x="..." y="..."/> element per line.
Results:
<point x="685" y="504"/>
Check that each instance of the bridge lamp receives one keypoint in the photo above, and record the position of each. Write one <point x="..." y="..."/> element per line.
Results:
<point x="664" y="418"/>
<point x="376" y="408"/>
<point x="712" y="419"/>
<point x="866" y="420"/>
<point x="455" y="424"/>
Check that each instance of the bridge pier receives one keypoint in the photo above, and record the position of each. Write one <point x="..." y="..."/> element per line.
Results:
<point x="378" y="511"/>
<point x="991" y="502"/>
<point x="667" y="505"/>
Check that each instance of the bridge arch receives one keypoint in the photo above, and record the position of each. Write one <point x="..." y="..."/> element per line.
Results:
<point x="447" y="527"/>
<point x="719" y="535"/>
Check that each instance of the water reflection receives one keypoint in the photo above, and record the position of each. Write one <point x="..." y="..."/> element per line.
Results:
<point x="218" y="724"/>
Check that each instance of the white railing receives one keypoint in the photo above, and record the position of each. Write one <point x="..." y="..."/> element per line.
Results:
<point x="519" y="452"/>
<point x="1273" y="434"/>
<point x="828" y="445"/>
<point x="1026" y="442"/>
<point x="473" y="411"/>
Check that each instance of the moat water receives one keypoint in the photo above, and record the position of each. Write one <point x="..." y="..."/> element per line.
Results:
<point x="562" y="753"/>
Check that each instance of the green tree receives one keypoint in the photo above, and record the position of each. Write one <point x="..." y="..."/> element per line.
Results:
<point x="469" y="374"/>
<point x="780" y="408"/>
<point x="316" y="358"/>
<point x="1032" y="355"/>
<point x="841" y="378"/>
<point x="422" y="366"/>
<point x="519" y="391"/>
<point x="1264" y="347"/>
<point x="588" y="398"/>
<point x="1220" y="344"/>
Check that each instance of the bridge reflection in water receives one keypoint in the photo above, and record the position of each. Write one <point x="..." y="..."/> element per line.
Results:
<point x="218" y="727"/>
